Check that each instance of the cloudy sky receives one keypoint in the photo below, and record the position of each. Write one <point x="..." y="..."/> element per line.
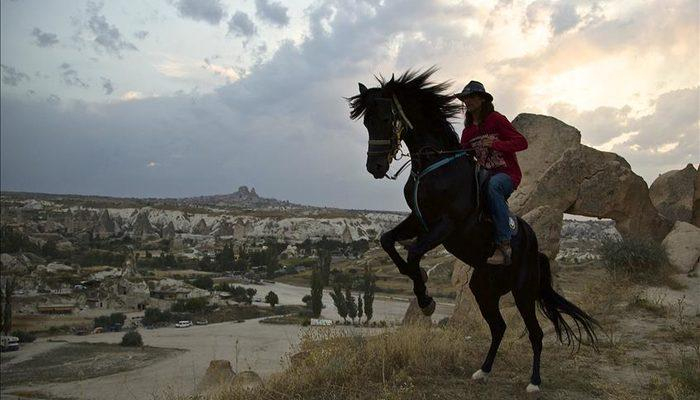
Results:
<point x="173" y="98"/>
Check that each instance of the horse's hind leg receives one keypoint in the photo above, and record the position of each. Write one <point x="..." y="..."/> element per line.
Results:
<point x="488" y="305"/>
<point x="526" y="306"/>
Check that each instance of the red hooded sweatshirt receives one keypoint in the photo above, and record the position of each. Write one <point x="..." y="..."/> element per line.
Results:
<point x="500" y="155"/>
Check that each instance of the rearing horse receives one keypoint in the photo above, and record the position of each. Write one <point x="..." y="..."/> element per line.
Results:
<point x="444" y="199"/>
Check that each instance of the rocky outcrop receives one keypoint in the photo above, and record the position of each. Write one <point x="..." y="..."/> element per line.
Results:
<point x="682" y="246"/>
<point x="548" y="138"/>
<point x="225" y="229"/>
<point x="546" y="222"/>
<point x="246" y="380"/>
<point x="672" y="193"/>
<point x="201" y="228"/>
<point x="465" y="305"/>
<point x="414" y="316"/>
<point x="11" y="265"/>
<point x="105" y="226"/>
<point x="582" y="180"/>
<point x="218" y="373"/>
<point x="142" y="226"/>
<point x="169" y="231"/>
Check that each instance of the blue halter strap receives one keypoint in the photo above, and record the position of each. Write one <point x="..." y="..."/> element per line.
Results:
<point x="430" y="168"/>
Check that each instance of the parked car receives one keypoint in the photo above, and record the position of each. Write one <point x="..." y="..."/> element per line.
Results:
<point x="9" y="343"/>
<point x="183" y="324"/>
<point x="201" y="322"/>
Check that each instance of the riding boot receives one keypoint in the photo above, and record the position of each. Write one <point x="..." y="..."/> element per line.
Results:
<point x="502" y="254"/>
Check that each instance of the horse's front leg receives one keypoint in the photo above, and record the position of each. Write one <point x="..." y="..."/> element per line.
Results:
<point x="426" y="242"/>
<point x="407" y="229"/>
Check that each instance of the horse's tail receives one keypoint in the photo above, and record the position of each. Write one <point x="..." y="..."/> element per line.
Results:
<point x="553" y="305"/>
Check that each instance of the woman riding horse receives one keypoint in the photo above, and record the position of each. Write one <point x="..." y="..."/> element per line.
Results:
<point x="442" y="193"/>
<point x="495" y="142"/>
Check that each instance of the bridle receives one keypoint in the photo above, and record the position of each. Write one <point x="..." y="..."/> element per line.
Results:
<point x="391" y="147"/>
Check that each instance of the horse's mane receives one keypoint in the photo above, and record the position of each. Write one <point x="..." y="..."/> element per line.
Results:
<point x="414" y="86"/>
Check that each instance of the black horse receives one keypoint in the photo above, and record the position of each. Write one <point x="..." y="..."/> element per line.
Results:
<point x="444" y="197"/>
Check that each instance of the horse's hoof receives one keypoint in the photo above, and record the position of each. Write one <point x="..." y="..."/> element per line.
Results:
<point x="532" y="388"/>
<point x="424" y="275"/>
<point x="429" y="309"/>
<point x="480" y="376"/>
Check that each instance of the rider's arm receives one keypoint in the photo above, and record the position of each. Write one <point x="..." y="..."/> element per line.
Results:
<point x="509" y="139"/>
<point x="467" y="136"/>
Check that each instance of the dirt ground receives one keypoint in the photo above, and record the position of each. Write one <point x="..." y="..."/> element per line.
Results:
<point x="74" y="361"/>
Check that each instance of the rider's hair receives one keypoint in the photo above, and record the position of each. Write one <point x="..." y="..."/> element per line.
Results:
<point x="485" y="110"/>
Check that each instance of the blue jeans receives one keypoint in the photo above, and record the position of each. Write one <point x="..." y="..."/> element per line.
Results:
<point x="500" y="188"/>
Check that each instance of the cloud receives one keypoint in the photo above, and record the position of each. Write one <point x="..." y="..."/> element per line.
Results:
<point x="70" y="76"/>
<point x="107" y="86"/>
<point x="230" y="73"/>
<point x="141" y="34"/>
<point x="240" y="25"/>
<point x="44" y="39"/>
<point x="664" y="139"/>
<point x="12" y="77"/>
<point x="106" y="36"/>
<point x="272" y="12"/>
<point x="210" y="11"/>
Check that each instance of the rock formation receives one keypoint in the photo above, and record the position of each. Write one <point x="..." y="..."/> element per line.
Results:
<point x="142" y="225"/>
<point x="582" y="180"/>
<point x="218" y="373"/>
<point x="201" y="228"/>
<point x="682" y="246"/>
<point x="414" y="316"/>
<point x="105" y="226"/>
<point x="169" y="231"/>
<point x="546" y="222"/>
<point x="672" y="193"/>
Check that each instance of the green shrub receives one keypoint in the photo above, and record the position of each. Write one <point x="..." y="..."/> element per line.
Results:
<point x="132" y="339"/>
<point x="24" y="337"/>
<point x="639" y="259"/>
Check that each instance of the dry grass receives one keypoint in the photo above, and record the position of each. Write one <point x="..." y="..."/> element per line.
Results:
<point x="410" y="362"/>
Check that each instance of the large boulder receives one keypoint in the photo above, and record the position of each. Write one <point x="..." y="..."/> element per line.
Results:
<point x="682" y="246"/>
<point x="593" y="183"/>
<point x="465" y="305"/>
<point x="548" y="138"/>
<point x="672" y="193"/>
<point x="11" y="265"/>
<point x="546" y="222"/>
<point x="414" y="315"/>
<point x="247" y="380"/>
<point x="218" y="373"/>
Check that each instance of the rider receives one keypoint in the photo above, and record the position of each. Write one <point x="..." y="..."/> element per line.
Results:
<point x="494" y="141"/>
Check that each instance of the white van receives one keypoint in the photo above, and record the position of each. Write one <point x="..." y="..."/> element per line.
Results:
<point x="183" y="324"/>
<point x="9" y="343"/>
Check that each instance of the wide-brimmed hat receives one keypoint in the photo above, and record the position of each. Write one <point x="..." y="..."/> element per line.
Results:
<point x="474" y="87"/>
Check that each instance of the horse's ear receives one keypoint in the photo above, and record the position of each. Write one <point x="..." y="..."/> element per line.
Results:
<point x="363" y="88"/>
<point x="392" y="78"/>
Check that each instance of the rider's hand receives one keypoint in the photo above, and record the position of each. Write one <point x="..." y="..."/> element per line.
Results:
<point x="488" y="140"/>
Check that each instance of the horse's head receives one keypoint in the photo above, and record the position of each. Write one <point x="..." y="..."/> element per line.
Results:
<point x="382" y="126"/>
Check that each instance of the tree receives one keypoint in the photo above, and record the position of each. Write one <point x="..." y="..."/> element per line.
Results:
<point x="316" y="293"/>
<point x="351" y="305"/>
<point x="339" y="301"/>
<point x="368" y="287"/>
<point x="10" y="285"/>
<point x="272" y="299"/>
<point x="203" y="282"/>
<point x="324" y="265"/>
<point x="359" y="308"/>
<point x="250" y="292"/>
<point x="132" y="339"/>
